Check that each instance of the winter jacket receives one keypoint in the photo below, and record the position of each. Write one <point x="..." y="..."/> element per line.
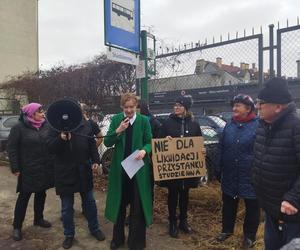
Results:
<point x="175" y="126"/>
<point x="141" y="139"/>
<point x="276" y="169"/>
<point x="73" y="160"/>
<point x="28" y="154"/>
<point x="236" y="158"/>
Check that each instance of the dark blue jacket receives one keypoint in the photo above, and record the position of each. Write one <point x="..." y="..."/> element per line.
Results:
<point x="236" y="158"/>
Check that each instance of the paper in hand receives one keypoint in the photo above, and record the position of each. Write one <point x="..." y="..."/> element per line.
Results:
<point x="131" y="165"/>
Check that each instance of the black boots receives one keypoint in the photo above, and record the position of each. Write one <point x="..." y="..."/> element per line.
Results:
<point x="185" y="227"/>
<point x="173" y="230"/>
<point x="42" y="223"/>
<point x="17" y="234"/>
<point x="68" y="242"/>
<point x="248" y="243"/>
<point x="99" y="235"/>
<point x="223" y="236"/>
<point x="114" y="245"/>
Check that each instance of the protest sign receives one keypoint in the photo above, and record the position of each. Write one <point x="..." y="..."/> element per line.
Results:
<point x="178" y="158"/>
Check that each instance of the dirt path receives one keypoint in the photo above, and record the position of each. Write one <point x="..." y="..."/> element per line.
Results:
<point x="38" y="238"/>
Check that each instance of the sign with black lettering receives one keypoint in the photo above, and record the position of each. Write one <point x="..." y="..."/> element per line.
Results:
<point x="178" y="158"/>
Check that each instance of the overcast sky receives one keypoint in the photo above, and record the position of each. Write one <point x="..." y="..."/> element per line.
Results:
<point x="72" y="31"/>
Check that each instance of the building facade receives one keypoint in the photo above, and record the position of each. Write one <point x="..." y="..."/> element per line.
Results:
<point x="19" y="38"/>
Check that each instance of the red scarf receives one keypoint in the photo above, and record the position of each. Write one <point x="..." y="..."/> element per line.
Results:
<point x="248" y="118"/>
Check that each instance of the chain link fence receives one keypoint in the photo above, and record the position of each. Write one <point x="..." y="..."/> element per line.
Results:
<point x="228" y="58"/>
<point x="211" y="74"/>
<point x="288" y="58"/>
<point x="208" y="73"/>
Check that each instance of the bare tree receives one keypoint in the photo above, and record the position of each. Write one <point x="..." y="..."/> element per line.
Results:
<point x="90" y="82"/>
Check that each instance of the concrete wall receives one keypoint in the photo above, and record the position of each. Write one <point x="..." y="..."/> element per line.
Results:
<point x="18" y="37"/>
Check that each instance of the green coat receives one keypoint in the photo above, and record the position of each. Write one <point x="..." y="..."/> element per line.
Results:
<point x="141" y="140"/>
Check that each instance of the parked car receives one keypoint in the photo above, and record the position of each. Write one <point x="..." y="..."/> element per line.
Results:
<point x="106" y="121"/>
<point x="210" y="135"/>
<point x="211" y="141"/>
<point x="226" y="115"/>
<point x="212" y="121"/>
<point x="6" y="123"/>
<point x="104" y="152"/>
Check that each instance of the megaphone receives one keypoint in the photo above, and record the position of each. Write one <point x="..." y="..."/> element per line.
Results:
<point x="64" y="115"/>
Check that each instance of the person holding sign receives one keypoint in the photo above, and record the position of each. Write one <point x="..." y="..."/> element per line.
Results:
<point x="129" y="132"/>
<point x="234" y="169"/>
<point x="180" y="124"/>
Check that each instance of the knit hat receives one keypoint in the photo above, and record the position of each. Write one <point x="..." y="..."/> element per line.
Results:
<point x="185" y="101"/>
<point x="245" y="99"/>
<point x="275" y="91"/>
<point x="28" y="113"/>
<point x="31" y="108"/>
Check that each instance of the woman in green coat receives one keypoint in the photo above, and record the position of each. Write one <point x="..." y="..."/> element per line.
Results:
<point x="128" y="132"/>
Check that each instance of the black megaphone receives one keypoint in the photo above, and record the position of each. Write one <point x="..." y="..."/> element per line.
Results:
<point x="64" y="115"/>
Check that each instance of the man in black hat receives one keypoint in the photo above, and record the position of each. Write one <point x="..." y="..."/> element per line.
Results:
<point x="276" y="169"/>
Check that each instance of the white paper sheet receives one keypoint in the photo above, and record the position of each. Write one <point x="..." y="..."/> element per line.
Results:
<point x="131" y="165"/>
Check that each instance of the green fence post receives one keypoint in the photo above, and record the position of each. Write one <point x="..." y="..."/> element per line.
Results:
<point x="144" y="81"/>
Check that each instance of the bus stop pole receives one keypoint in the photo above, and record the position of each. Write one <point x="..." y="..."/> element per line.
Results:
<point x="144" y="81"/>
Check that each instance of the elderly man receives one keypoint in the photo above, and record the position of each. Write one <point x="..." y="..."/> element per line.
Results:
<point x="276" y="169"/>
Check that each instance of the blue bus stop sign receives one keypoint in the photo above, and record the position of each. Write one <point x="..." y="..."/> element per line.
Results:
<point x="122" y="24"/>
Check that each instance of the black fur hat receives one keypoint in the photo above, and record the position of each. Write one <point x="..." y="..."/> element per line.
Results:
<point x="275" y="91"/>
<point x="185" y="101"/>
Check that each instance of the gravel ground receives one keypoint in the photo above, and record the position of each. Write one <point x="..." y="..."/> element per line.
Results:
<point x="36" y="238"/>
